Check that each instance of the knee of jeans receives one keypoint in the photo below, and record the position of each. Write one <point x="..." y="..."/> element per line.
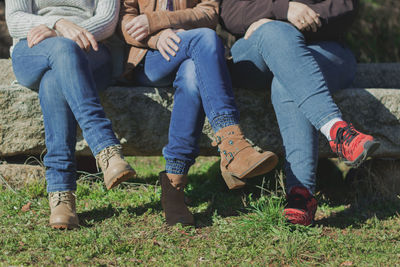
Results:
<point x="186" y="79"/>
<point x="207" y="38"/>
<point x="278" y="35"/>
<point x="66" y="51"/>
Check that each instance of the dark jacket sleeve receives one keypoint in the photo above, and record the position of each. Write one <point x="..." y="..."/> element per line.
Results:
<point x="336" y="17"/>
<point x="238" y="15"/>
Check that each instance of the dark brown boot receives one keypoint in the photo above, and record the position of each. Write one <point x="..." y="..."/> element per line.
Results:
<point x="239" y="160"/>
<point x="173" y="199"/>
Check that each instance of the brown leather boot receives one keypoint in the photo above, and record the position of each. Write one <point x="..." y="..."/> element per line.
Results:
<point x="173" y="199"/>
<point x="115" y="169"/>
<point x="239" y="160"/>
<point x="63" y="210"/>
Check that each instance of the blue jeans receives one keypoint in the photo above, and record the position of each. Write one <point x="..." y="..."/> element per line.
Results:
<point x="67" y="79"/>
<point x="199" y="74"/>
<point x="303" y="75"/>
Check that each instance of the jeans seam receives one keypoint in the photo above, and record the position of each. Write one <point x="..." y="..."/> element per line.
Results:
<point x="201" y="82"/>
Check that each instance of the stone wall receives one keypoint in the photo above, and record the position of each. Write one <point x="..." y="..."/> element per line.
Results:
<point x="140" y="115"/>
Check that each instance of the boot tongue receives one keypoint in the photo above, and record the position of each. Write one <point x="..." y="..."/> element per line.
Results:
<point x="60" y="197"/>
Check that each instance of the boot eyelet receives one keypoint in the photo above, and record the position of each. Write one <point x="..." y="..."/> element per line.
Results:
<point x="230" y="142"/>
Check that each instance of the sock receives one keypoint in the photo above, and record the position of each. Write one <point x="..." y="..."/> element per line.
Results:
<point x="326" y="128"/>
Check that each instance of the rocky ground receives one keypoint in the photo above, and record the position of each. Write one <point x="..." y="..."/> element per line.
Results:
<point x="5" y="39"/>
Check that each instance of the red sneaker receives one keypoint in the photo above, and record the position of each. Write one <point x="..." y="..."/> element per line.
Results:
<point x="350" y="144"/>
<point x="301" y="206"/>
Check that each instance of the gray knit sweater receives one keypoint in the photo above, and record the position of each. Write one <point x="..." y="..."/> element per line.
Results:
<point x="99" y="17"/>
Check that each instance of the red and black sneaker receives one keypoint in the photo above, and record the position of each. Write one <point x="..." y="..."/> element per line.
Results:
<point x="301" y="206"/>
<point x="351" y="145"/>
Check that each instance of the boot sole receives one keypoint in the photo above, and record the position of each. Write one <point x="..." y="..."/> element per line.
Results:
<point x="64" y="226"/>
<point x="369" y="148"/>
<point x="122" y="177"/>
<point x="263" y="166"/>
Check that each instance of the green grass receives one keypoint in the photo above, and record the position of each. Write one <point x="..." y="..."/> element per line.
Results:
<point x="125" y="226"/>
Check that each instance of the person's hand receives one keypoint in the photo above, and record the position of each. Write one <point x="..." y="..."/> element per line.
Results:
<point x="254" y="26"/>
<point x="81" y="36"/>
<point x="39" y="33"/>
<point x="168" y="43"/>
<point x="303" y="17"/>
<point x="138" y="27"/>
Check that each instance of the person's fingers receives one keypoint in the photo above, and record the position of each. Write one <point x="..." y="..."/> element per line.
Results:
<point x="134" y="28"/>
<point x="310" y="23"/>
<point x="163" y="53"/>
<point x="130" y="24"/>
<point x="298" y="25"/>
<point x="38" y="35"/>
<point x="316" y="19"/>
<point x="79" y="43"/>
<point x="34" y="38"/>
<point x="167" y="48"/>
<point x="175" y="37"/>
<point x="138" y="32"/>
<point x="30" y="39"/>
<point x="84" y="41"/>
<point x="249" y="32"/>
<point x="32" y="35"/>
<point x="172" y="44"/>
<point x="92" y="41"/>
<point x="141" y="37"/>
<point x="41" y="37"/>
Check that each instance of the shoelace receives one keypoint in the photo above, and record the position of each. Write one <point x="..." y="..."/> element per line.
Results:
<point x="344" y="136"/>
<point x="297" y="201"/>
<point x="106" y="154"/>
<point x="61" y="197"/>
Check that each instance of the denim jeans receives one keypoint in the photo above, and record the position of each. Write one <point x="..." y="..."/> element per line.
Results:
<point x="67" y="79"/>
<point x="199" y="74"/>
<point x="303" y="76"/>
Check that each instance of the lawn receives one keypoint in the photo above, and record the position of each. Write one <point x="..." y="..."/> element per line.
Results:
<point x="125" y="226"/>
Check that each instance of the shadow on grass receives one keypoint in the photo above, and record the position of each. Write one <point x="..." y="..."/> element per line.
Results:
<point x="211" y="189"/>
<point x="357" y="214"/>
<point x="365" y="191"/>
<point x="89" y="218"/>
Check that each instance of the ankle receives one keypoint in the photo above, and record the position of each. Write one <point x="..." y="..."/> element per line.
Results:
<point x="177" y="166"/>
<point x="224" y="121"/>
<point x="327" y="127"/>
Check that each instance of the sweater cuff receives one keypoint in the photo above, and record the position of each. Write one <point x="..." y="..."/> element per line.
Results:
<point x="51" y="21"/>
<point x="280" y="9"/>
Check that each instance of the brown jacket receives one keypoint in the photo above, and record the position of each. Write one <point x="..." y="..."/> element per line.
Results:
<point x="336" y="15"/>
<point x="187" y="14"/>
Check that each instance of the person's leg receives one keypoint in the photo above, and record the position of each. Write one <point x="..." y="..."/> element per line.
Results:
<point x="60" y="84"/>
<point x="285" y="52"/>
<point x="205" y="49"/>
<point x="70" y="66"/>
<point x="186" y="124"/>
<point x="184" y="134"/>
<point x="60" y="136"/>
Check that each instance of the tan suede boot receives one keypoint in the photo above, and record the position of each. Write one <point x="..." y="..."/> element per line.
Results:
<point x="239" y="160"/>
<point x="63" y="210"/>
<point x="173" y="199"/>
<point x="115" y="169"/>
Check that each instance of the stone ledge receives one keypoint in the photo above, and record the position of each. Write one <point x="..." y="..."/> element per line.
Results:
<point x="140" y="116"/>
